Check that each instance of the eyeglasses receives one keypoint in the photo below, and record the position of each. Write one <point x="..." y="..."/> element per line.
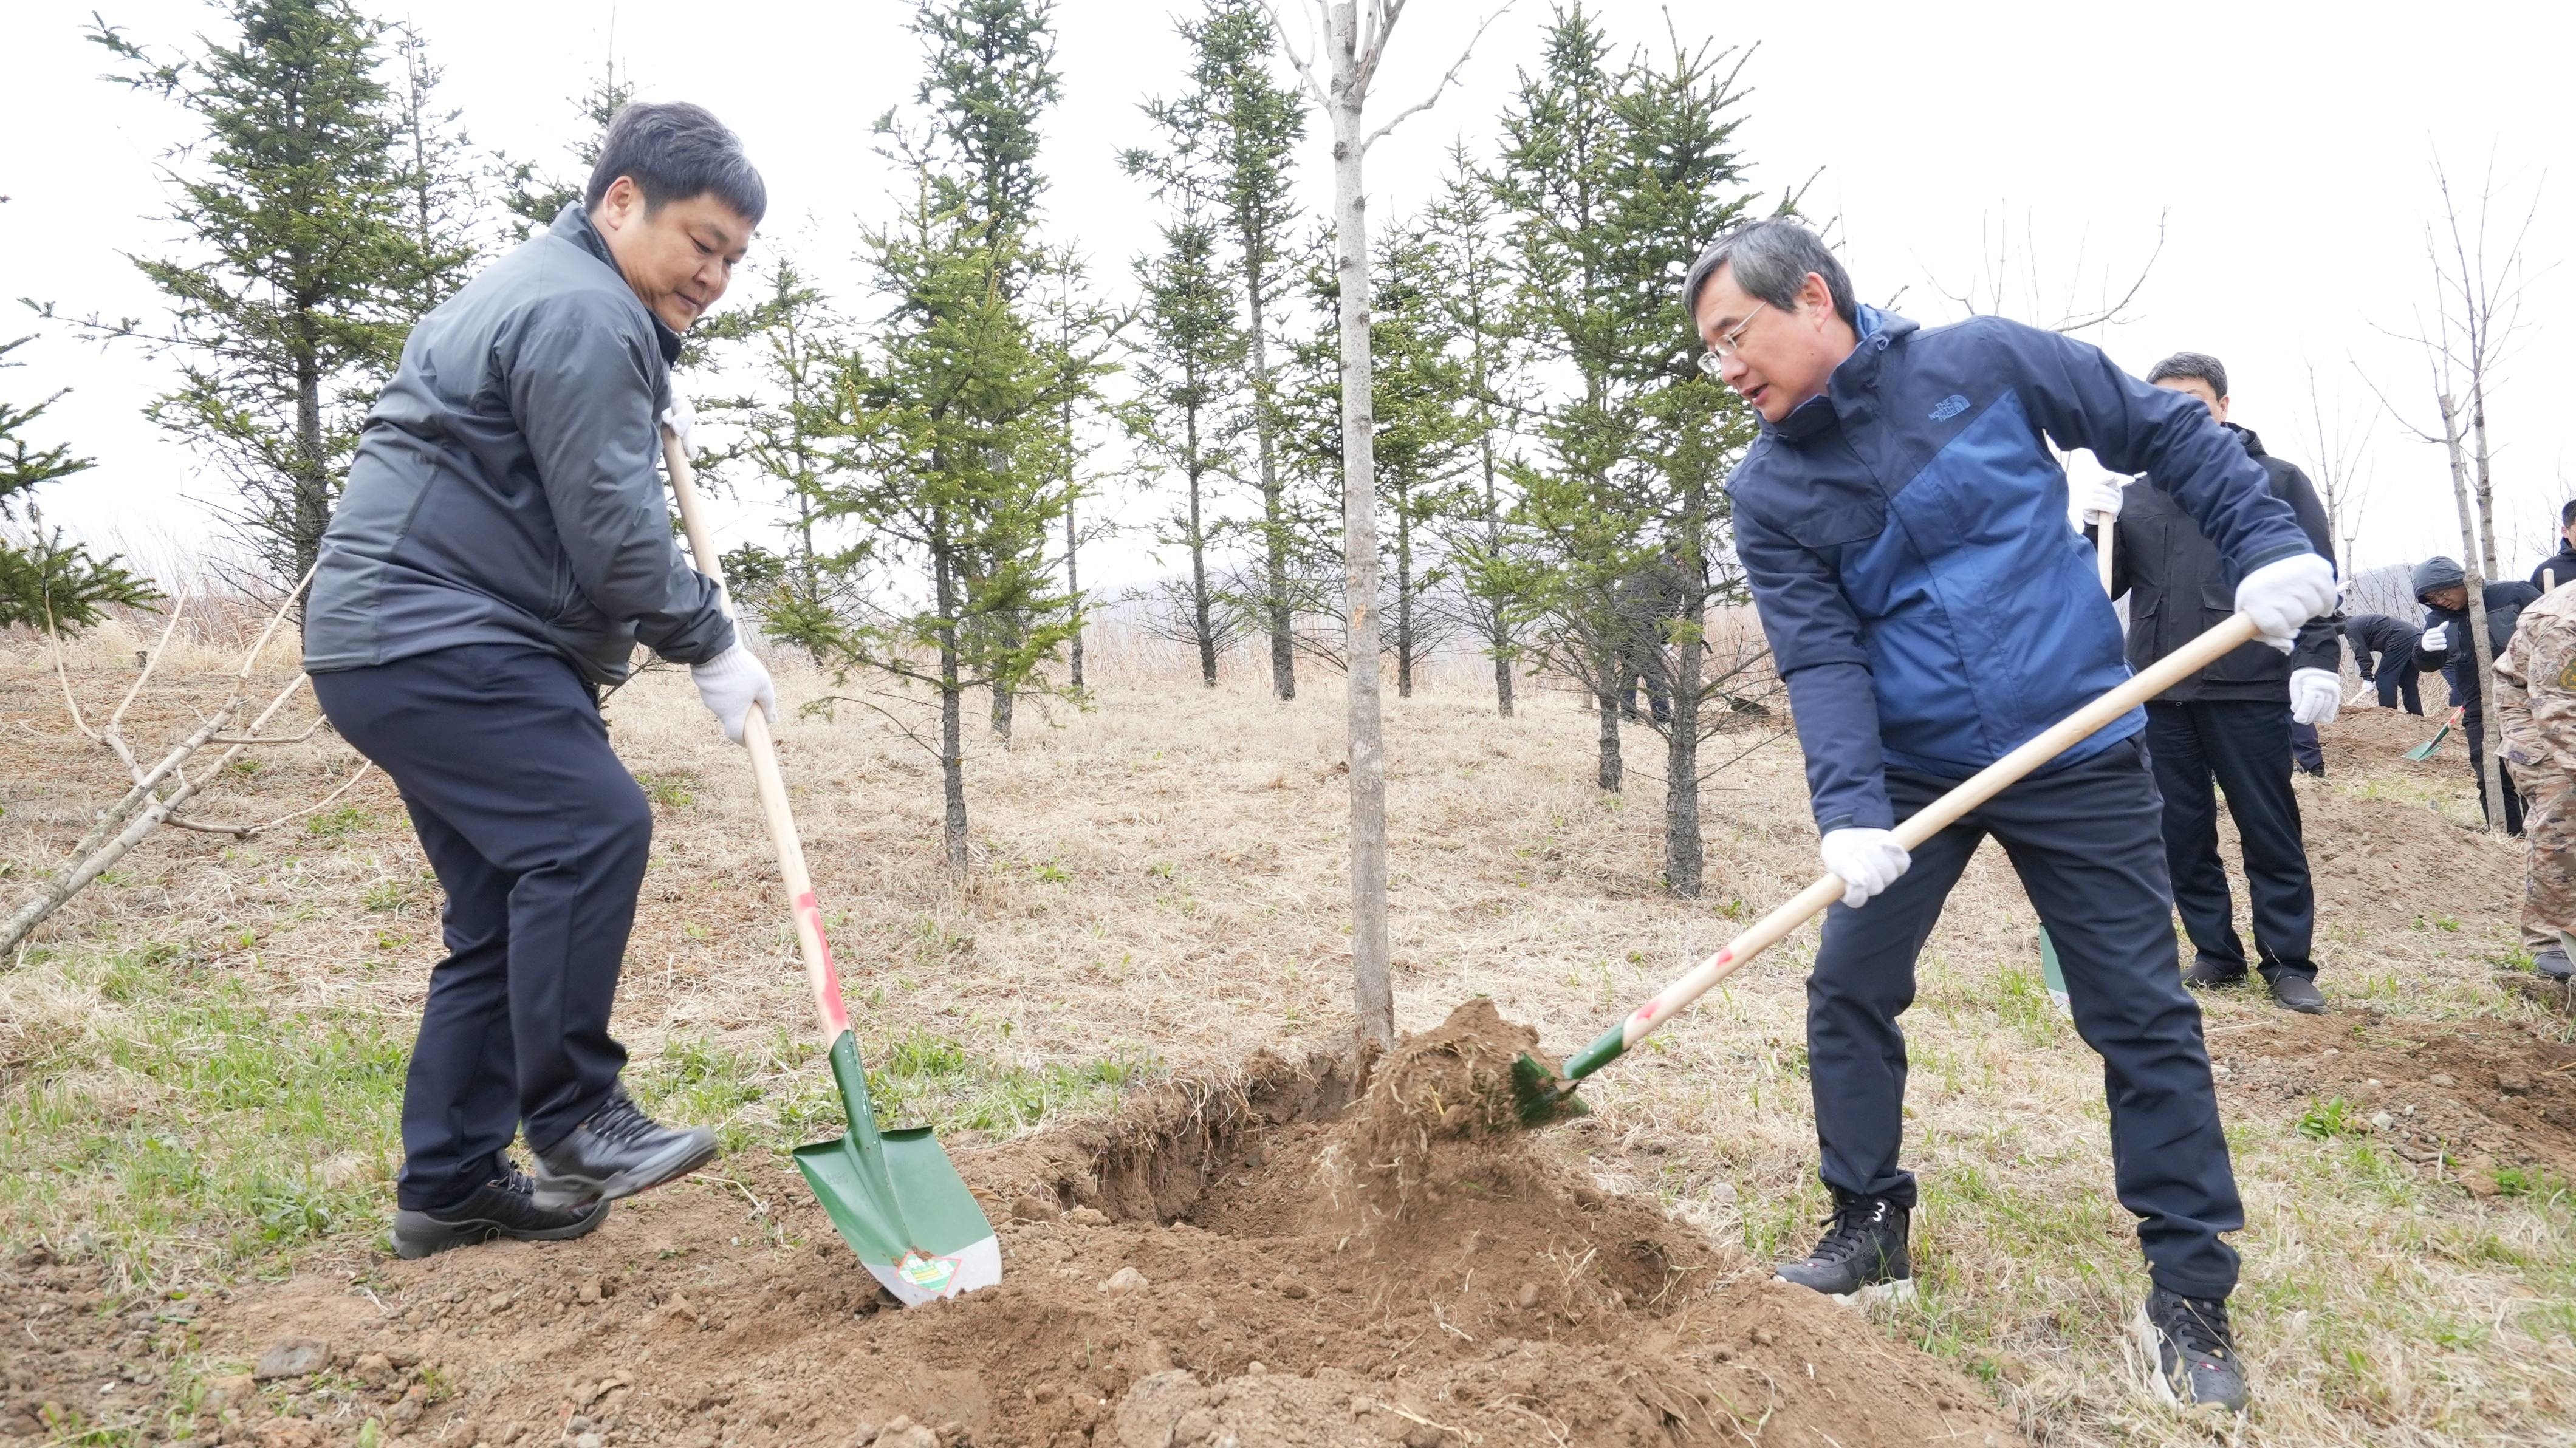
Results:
<point x="1715" y="357"/>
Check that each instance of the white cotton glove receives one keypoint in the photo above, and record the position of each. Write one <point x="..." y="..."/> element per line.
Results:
<point x="2315" y="695"/>
<point x="679" y="417"/>
<point x="730" y="683"/>
<point x="2437" y="640"/>
<point x="2285" y="594"/>
<point x="1867" y="860"/>
<point x="2103" y="498"/>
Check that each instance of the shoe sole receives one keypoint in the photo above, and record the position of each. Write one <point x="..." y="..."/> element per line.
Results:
<point x="1896" y="1293"/>
<point x="2150" y="1347"/>
<point x="418" y="1234"/>
<point x="685" y="1156"/>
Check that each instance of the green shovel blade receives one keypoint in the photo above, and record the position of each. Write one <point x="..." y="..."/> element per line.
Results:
<point x="2424" y="751"/>
<point x="898" y="1200"/>
<point x="2053" y="975"/>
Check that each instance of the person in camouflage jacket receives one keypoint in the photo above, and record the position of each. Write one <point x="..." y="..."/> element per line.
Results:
<point x="2536" y="703"/>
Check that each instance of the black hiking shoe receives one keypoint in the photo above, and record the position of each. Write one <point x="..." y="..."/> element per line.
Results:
<point x="2298" y="993"/>
<point x="505" y="1206"/>
<point x="2208" y="974"/>
<point x="1862" y="1256"/>
<point x="618" y="1152"/>
<point x="2552" y="962"/>
<point x="2191" y="1353"/>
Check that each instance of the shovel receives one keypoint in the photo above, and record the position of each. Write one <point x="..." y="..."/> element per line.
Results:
<point x="894" y="1195"/>
<point x="1542" y="1095"/>
<point x="2424" y="751"/>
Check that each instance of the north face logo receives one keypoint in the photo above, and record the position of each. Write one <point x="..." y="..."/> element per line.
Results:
<point x="1951" y="406"/>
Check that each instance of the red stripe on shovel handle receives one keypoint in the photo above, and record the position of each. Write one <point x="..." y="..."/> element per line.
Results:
<point x="827" y="985"/>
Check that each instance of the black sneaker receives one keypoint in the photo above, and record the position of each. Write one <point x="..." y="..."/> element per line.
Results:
<point x="2191" y="1353"/>
<point x="1862" y="1257"/>
<point x="2298" y="993"/>
<point x="2208" y="974"/>
<point x="2552" y="962"/>
<point x="618" y="1152"/>
<point x="505" y="1206"/>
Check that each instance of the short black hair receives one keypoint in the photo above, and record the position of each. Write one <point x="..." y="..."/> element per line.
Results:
<point x="1772" y="258"/>
<point x="2199" y="366"/>
<point x="673" y="150"/>
<point x="2567" y="514"/>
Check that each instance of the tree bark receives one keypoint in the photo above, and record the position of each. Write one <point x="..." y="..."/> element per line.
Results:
<point x="1073" y="584"/>
<point x="2486" y="483"/>
<point x="1403" y="597"/>
<point x="313" y="477"/>
<point x="1612" y="768"/>
<point x="1684" y="857"/>
<point x="1202" y="611"/>
<point x="2481" y="650"/>
<point x="1371" y="952"/>
<point x="952" y="747"/>
<point x="1274" y="501"/>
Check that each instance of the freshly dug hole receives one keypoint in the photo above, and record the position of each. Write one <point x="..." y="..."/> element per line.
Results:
<point x="1174" y="1275"/>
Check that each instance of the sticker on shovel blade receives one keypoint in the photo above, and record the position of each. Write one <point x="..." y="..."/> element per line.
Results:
<point x="930" y="1274"/>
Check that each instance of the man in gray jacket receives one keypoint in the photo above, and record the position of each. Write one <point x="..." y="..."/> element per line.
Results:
<point x="501" y="548"/>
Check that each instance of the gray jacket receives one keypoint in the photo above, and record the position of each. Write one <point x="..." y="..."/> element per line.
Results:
<point x="504" y="490"/>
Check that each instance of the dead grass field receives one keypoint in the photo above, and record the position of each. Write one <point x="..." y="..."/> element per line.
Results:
<point x="200" y="1057"/>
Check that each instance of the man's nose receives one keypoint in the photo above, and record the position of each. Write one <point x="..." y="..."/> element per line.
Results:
<point x="1730" y="366"/>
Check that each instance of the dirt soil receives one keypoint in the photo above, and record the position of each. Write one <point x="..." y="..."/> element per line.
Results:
<point x="1197" y="1269"/>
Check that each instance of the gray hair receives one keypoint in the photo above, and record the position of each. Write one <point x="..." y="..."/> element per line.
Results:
<point x="2198" y="366"/>
<point x="1771" y="259"/>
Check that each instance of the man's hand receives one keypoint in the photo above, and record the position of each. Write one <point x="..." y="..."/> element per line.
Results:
<point x="2436" y="640"/>
<point x="730" y="683"/>
<point x="1867" y="860"/>
<point x="2284" y="594"/>
<point x="2315" y="695"/>
<point x="679" y="417"/>
<point x="2102" y="499"/>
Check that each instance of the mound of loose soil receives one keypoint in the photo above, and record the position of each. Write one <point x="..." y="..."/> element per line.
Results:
<point x="2485" y="1095"/>
<point x="1187" y="1272"/>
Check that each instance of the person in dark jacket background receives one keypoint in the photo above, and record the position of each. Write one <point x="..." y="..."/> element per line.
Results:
<point x="1903" y="525"/>
<point x="2229" y="724"/>
<point x="2559" y="568"/>
<point x="2384" y="649"/>
<point x="2443" y="588"/>
<point x="502" y="545"/>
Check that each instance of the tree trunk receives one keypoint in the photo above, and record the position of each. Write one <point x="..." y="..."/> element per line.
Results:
<point x="1611" y="767"/>
<point x="2485" y="482"/>
<point x="1274" y="502"/>
<point x="1403" y="598"/>
<point x="1202" y="612"/>
<point x="1371" y="952"/>
<point x="313" y="478"/>
<point x="2481" y="650"/>
<point x="1683" y="856"/>
<point x="1073" y="576"/>
<point x="952" y="747"/>
<point x="1500" y="638"/>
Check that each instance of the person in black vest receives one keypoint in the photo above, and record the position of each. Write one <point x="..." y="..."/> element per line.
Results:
<point x="2559" y="568"/>
<point x="2230" y="723"/>
<point x="2443" y="588"/>
<point x="2384" y="647"/>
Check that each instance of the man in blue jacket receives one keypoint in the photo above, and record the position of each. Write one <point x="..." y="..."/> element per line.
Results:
<point x="502" y="547"/>
<point x="1905" y="530"/>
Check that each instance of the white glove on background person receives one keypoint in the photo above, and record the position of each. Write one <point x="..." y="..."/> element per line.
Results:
<point x="2437" y="640"/>
<point x="730" y="683"/>
<point x="1867" y="860"/>
<point x="2284" y="594"/>
<point x="2315" y="695"/>
<point x="679" y="417"/>
<point x="2103" y="497"/>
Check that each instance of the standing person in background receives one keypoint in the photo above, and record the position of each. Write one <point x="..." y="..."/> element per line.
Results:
<point x="2536" y="706"/>
<point x="2384" y="648"/>
<point x="2230" y="724"/>
<point x="2443" y="588"/>
<point x="2559" y="569"/>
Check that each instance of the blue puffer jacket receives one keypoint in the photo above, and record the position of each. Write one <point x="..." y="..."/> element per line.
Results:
<point x="1906" y="536"/>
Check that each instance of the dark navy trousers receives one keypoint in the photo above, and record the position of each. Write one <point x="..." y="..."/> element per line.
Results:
<point x="2087" y="844"/>
<point x="2397" y="683"/>
<point x="2243" y="748"/>
<point x="540" y="838"/>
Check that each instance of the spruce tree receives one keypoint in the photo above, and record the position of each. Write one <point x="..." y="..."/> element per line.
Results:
<point x="46" y="582"/>
<point x="1229" y="140"/>
<point x="532" y="196"/>
<point x="290" y="302"/>
<point x="1188" y="363"/>
<point x="1472" y="288"/>
<point x="441" y="209"/>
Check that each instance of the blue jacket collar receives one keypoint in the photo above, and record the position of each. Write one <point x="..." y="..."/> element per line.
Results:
<point x="1846" y="392"/>
<point x="573" y="224"/>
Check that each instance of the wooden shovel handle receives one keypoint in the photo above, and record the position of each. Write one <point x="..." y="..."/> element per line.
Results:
<point x="819" y="972"/>
<point x="1933" y="818"/>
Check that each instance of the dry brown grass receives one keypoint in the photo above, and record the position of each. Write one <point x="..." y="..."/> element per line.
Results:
<point x="1163" y="875"/>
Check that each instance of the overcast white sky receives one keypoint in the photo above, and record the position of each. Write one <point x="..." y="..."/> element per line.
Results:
<point x="2287" y="146"/>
